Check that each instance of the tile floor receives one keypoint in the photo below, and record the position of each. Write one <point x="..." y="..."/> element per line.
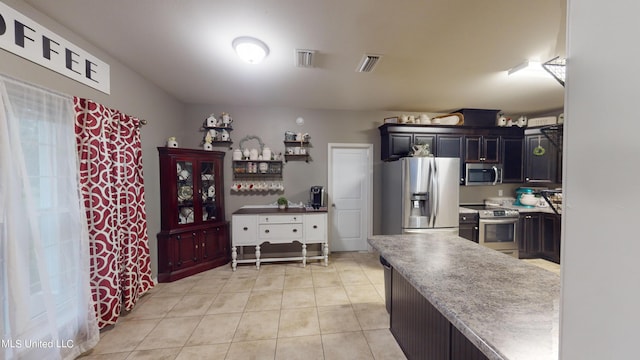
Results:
<point x="547" y="265"/>
<point x="282" y="311"/>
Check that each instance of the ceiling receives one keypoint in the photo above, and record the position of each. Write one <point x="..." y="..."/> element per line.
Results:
<point x="437" y="55"/>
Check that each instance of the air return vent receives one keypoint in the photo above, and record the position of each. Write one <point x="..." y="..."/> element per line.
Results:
<point x="304" y="58"/>
<point x="368" y="62"/>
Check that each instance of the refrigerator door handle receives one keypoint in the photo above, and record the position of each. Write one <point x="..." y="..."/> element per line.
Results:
<point x="434" y="193"/>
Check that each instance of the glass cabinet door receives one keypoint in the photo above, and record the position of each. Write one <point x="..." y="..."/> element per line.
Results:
<point x="185" y="192"/>
<point x="208" y="189"/>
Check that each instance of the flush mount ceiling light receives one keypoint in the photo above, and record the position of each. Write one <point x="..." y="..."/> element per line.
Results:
<point x="250" y="49"/>
<point x="528" y="68"/>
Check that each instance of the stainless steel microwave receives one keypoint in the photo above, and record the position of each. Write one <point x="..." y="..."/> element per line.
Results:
<point x="482" y="174"/>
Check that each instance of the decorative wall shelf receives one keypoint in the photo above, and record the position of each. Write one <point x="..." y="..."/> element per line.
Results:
<point x="296" y="150"/>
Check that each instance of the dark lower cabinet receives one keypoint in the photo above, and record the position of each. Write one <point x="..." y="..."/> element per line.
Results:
<point x="468" y="226"/>
<point x="421" y="330"/>
<point x="551" y="237"/>
<point x="529" y="228"/>
<point x="539" y="236"/>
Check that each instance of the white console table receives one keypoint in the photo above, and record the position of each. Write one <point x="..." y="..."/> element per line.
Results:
<point x="255" y="226"/>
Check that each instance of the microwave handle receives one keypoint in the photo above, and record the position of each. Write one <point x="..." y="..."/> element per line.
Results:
<point x="495" y="170"/>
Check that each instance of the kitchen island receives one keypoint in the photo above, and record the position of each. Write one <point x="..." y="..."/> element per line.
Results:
<point x="454" y="299"/>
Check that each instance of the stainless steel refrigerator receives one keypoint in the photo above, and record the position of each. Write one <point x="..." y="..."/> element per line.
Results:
<point x="420" y="194"/>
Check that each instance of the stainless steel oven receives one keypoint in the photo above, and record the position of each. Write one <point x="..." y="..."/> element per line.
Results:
<point x="497" y="229"/>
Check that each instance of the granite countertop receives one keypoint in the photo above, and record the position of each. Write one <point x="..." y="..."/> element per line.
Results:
<point x="506" y="307"/>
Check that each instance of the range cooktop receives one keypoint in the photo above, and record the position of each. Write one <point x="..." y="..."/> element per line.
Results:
<point x="489" y="211"/>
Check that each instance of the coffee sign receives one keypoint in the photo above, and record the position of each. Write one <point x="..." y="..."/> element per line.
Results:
<point x="24" y="37"/>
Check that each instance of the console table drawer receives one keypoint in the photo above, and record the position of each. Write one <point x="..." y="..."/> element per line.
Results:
<point x="315" y="228"/>
<point x="275" y="232"/>
<point x="244" y="230"/>
<point x="279" y="219"/>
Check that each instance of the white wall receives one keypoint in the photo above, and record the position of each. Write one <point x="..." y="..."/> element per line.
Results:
<point x="130" y="93"/>
<point x="600" y="309"/>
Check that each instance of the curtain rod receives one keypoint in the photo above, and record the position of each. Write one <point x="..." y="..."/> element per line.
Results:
<point x="58" y="93"/>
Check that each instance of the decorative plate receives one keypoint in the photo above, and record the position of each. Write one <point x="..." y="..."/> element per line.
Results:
<point x="185" y="193"/>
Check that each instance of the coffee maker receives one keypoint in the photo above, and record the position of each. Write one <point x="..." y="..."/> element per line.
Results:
<point x="316" y="197"/>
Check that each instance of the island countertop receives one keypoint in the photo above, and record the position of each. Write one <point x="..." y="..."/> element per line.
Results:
<point x="507" y="308"/>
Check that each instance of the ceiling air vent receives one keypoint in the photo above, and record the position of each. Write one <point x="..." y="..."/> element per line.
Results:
<point x="304" y="58"/>
<point x="368" y="62"/>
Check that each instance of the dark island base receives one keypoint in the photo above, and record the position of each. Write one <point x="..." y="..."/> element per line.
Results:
<point x="421" y="330"/>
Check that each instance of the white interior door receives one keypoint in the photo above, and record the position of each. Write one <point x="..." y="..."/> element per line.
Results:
<point x="350" y="196"/>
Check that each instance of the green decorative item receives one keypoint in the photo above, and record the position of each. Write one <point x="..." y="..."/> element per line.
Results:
<point x="282" y="202"/>
<point x="538" y="150"/>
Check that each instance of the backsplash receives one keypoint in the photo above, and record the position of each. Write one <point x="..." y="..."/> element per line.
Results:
<point x="477" y="194"/>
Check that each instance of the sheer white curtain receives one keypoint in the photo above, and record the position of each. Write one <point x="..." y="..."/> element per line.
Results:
<point x="46" y="308"/>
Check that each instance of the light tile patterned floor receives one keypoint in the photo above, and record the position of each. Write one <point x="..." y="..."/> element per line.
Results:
<point x="282" y="311"/>
<point x="547" y="265"/>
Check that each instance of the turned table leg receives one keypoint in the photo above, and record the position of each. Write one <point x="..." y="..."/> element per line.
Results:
<point x="304" y="255"/>
<point x="325" y="253"/>
<point x="258" y="257"/>
<point x="234" y="258"/>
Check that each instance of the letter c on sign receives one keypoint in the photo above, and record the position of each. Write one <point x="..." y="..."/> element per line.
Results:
<point x="3" y="25"/>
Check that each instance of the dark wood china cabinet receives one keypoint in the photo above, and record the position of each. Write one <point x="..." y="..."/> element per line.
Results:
<point x="194" y="235"/>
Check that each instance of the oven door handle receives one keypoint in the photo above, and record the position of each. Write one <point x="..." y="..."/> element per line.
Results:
<point x="511" y="220"/>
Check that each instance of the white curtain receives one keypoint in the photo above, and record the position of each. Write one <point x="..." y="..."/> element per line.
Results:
<point x="46" y="310"/>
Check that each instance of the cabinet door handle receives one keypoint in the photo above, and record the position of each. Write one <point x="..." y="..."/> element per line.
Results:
<point x="315" y="226"/>
<point x="295" y="230"/>
<point x="528" y="217"/>
<point x="464" y="218"/>
<point x="475" y="228"/>
<point x="245" y="228"/>
<point x="266" y="231"/>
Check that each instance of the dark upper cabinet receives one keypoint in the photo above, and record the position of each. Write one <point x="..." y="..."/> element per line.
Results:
<point x="469" y="144"/>
<point x="398" y="145"/>
<point x="543" y="166"/>
<point x="540" y="157"/>
<point x="512" y="159"/>
<point x="482" y="149"/>
<point x="451" y="146"/>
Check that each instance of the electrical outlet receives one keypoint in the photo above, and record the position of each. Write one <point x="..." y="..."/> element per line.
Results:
<point x="500" y="193"/>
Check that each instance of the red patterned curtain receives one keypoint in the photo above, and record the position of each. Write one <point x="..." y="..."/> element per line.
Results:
<point x="112" y="187"/>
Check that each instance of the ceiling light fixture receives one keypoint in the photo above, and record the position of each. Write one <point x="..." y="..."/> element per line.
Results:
<point x="250" y="49"/>
<point x="529" y="67"/>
